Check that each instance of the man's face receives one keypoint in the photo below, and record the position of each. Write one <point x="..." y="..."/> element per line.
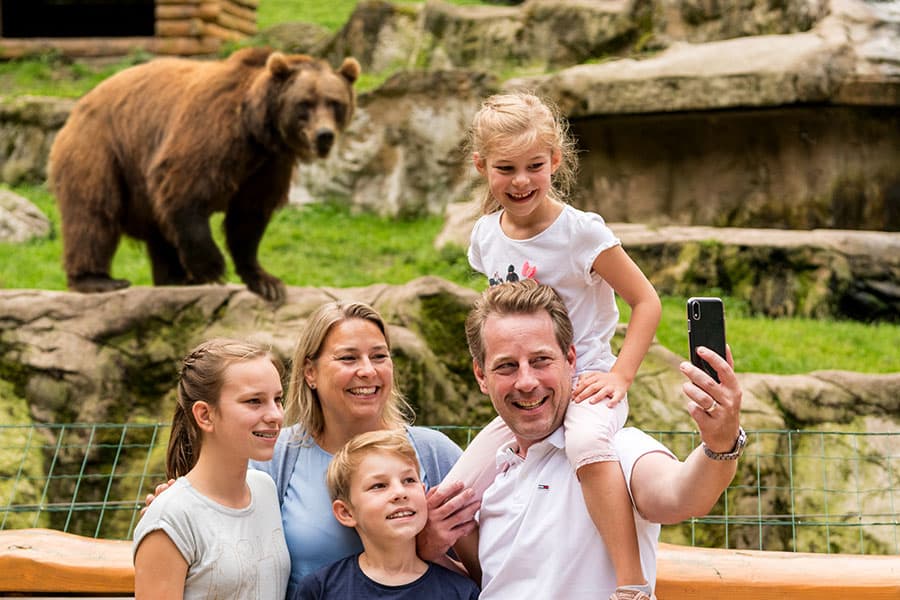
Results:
<point x="526" y="375"/>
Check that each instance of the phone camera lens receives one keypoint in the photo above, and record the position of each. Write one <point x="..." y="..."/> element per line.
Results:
<point x="695" y="310"/>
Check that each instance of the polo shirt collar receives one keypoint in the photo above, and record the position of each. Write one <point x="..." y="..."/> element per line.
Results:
<point x="507" y="457"/>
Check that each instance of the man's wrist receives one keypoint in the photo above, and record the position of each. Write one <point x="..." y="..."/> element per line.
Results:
<point x="734" y="453"/>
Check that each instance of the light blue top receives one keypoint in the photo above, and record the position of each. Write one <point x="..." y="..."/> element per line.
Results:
<point x="314" y="537"/>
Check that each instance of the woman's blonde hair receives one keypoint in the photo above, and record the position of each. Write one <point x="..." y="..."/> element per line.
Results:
<point x="510" y="123"/>
<point x="302" y="404"/>
<point x="201" y="378"/>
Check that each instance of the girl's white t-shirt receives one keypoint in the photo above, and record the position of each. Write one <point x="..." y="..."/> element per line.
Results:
<point x="561" y="256"/>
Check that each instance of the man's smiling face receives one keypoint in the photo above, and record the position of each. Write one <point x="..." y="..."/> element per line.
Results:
<point x="526" y="374"/>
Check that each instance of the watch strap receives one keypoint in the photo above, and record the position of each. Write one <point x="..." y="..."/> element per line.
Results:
<point x="735" y="451"/>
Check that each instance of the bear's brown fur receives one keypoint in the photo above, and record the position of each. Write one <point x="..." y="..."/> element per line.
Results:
<point x="153" y="151"/>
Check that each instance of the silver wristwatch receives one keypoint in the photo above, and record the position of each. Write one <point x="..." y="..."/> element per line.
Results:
<point x="732" y="454"/>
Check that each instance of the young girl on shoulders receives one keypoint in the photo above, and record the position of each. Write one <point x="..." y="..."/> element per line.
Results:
<point x="523" y="150"/>
<point x="217" y="533"/>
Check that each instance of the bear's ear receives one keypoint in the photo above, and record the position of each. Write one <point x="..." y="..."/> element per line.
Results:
<point x="278" y="66"/>
<point x="350" y="69"/>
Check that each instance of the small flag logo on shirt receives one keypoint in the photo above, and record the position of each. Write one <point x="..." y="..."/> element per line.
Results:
<point x="543" y="486"/>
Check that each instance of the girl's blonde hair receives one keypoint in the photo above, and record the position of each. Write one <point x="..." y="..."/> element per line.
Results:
<point x="302" y="405"/>
<point x="201" y="378"/>
<point x="510" y="123"/>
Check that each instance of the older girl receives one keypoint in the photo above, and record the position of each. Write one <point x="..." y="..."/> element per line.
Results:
<point x="217" y="532"/>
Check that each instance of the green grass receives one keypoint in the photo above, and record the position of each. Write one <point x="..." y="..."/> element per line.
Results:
<point x="316" y="245"/>
<point x="52" y="74"/>
<point x="331" y="14"/>
<point x="327" y="245"/>
<point x="788" y="346"/>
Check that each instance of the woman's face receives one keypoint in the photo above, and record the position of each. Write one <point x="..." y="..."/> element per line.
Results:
<point x="353" y="375"/>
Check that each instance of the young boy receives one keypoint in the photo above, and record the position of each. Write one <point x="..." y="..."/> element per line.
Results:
<point x="375" y="487"/>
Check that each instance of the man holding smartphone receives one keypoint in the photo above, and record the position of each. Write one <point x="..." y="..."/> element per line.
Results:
<point x="536" y="537"/>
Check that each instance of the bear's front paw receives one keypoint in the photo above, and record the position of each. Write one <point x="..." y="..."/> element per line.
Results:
<point x="268" y="286"/>
<point x="209" y="270"/>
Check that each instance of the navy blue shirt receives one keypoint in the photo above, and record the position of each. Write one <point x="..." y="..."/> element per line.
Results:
<point x="344" y="579"/>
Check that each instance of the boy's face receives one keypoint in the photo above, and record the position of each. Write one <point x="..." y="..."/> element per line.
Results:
<point x="387" y="499"/>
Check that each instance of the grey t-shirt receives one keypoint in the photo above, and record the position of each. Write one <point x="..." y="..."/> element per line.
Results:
<point x="237" y="553"/>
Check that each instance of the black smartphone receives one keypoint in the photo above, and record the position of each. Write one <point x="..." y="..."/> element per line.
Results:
<point x="706" y="327"/>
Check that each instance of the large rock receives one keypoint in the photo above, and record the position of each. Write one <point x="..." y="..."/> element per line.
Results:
<point x="112" y="358"/>
<point x="380" y="35"/>
<point x="815" y="274"/>
<point x="746" y="132"/>
<point x="402" y="153"/>
<point x="28" y="126"/>
<point x="818" y="274"/>
<point x="20" y="220"/>
<point x="541" y="35"/>
<point x="751" y="131"/>
<point x="710" y="20"/>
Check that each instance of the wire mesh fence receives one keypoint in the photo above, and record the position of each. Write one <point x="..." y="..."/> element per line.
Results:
<point x="810" y="491"/>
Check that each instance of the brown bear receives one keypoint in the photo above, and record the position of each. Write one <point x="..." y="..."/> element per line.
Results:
<point x="154" y="150"/>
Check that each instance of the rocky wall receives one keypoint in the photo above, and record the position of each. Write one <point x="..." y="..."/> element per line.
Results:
<point x="113" y="358"/>
<point x="798" y="167"/>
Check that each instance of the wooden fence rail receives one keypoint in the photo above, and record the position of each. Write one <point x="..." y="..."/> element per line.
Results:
<point x="51" y="562"/>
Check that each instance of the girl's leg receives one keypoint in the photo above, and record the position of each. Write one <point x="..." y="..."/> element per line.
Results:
<point x="477" y="467"/>
<point x="589" y="446"/>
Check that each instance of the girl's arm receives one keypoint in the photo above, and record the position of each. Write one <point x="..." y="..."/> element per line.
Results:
<point x="625" y="277"/>
<point x="159" y="568"/>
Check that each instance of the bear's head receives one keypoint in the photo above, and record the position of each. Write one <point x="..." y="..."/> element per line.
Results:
<point x="307" y="102"/>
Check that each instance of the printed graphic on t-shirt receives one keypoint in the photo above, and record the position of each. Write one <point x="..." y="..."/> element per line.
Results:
<point x="528" y="272"/>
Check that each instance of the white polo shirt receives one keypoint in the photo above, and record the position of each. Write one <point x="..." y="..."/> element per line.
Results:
<point x="536" y="537"/>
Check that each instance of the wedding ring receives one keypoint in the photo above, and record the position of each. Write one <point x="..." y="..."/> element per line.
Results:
<point x="712" y="407"/>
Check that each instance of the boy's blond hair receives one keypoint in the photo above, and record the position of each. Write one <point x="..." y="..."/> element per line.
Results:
<point x="345" y="464"/>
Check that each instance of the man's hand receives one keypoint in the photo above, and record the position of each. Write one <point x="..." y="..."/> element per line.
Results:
<point x="715" y="407"/>
<point x="159" y="489"/>
<point x="451" y="515"/>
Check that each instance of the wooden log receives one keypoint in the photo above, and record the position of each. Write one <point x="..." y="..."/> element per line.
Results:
<point x="180" y="27"/>
<point x="47" y="561"/>
<point x="237" y="24"/>
<point x="248" y="14"/>
<point x="108" y="47"/>
<point x="208" y="11"/>
<point x="189" y="46"/>
<point x="78" y="47"/>
<point x="684" y="573"/>
<point x="222" y="33"/>
<point x="52" y="562"/>
<point x="158" y="2"/>
<point x="248" y="3"/>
